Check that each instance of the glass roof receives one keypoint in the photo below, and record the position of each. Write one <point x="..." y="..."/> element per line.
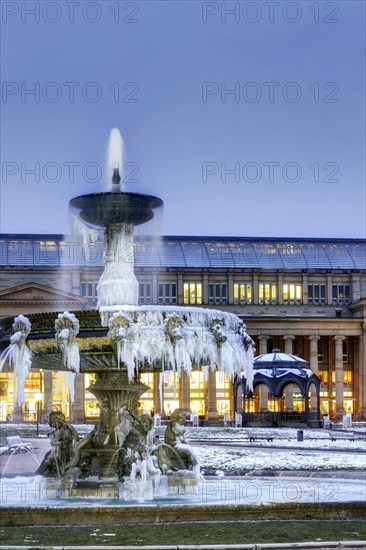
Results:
<point x="191" y="252"/>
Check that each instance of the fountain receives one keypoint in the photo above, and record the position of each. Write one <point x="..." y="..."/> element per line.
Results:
<point x="116" y="343"/>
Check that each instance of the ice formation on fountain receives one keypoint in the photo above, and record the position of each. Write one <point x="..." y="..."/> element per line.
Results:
<point x="67" y="328"/>
<point x="18" y="354"/>
<point x="180" y="340"/>
<point x="118" y="283"/>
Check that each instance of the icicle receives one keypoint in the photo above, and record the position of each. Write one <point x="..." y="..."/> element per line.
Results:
<point x="180" y="338"/>
<point x="18" y="354"/>
<point x="71" y="378"/>
<point x="67" y="328"/>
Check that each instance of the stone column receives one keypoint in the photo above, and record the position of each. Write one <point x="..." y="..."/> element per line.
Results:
<point x="78" y="409"/>
<point x="180" y="288"/>
<point x="362" y="372"/>
<point x="156" y="390"/>
<point x="47" y="391"/>
<point x="205" y="289"/>
<point x="185" y="392"/>
<point x="230" y="289"/>
<point x="263" y="389"/>
<point x="212" y="413"/>
<point x="280" y="287"/>
<point x="255" y="289"/>
<point x="339" y="374"/>
<point x="314" y="367"/>
<point x="154" y="293"/>
<point x="305" y="294"/>
<point x="289" y="389"/>
<point x="263" y="344"/>
<point x="329" y="291"/>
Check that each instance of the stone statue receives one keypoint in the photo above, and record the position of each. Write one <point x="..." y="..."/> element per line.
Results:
<point x="102" y="430"/>
<point x="177" y="452"/>
<point x="64" y="447"/>
<point x="135" y="460"/>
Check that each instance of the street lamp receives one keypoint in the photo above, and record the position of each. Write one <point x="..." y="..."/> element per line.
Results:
<point x="38" y="398"/>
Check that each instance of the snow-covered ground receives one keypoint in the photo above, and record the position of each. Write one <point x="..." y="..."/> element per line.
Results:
<point x="230" y="451"/>
<point x="241" y="461"/>
<point x="282" y="437"/>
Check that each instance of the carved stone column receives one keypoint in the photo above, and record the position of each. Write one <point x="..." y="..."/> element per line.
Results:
<point x="339" y="374"/>
<point x="289" y="389"/>
<point x="314" y="366"/>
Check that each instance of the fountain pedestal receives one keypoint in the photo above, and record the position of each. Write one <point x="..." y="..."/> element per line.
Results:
<point x="98" y="454"/>
<point x="113" y="390"/>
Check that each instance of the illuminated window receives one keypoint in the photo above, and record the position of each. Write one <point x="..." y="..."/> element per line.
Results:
<point x="89" y="291"/>
<point x="341" y="294"/>
<point x="145" y="293"/>
<point x="323" y="375"/>
<point x="347" y="377"/>
<point x="243" y="293"/>
<point x="197" y="392"/>
<point x="192" y="293"/>
<point x="167" y="293"/>
<point x="223" y="393"/>
<point x="316" y="294"/>
<point x="292" y="293"/>
<point x="267" y="293"/>
<point x="217" y="293"/>
<point x="91" y="407"/>
<point x="147" y="399"/>
<point x="170" y="390"/>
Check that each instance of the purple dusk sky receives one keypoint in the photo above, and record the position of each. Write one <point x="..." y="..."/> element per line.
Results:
<point x="246" y="118"/>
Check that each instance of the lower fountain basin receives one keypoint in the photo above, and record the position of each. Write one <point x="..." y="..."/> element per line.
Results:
<point x="23" y="492"/>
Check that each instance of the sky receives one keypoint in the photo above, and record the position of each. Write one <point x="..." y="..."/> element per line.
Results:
<point x="246" y="118"/>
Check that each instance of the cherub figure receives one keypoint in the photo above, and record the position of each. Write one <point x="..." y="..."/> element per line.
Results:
<point x="64" y="447"/>
<point x="181" y="455"/>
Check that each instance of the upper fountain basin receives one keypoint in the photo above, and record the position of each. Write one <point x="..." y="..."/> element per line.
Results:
<point x="105" y="209"/>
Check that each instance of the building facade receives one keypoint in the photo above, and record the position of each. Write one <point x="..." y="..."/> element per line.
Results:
<point x="306" y="297"/>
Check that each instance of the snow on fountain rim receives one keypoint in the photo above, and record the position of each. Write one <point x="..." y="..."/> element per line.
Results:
<point x="201" y="341"/>
<point x="208" y="312"/>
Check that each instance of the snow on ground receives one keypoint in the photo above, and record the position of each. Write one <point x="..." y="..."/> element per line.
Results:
<point x="282" y="437"/>
<point x="216" y="459"/>
<point x="316" y="452"/>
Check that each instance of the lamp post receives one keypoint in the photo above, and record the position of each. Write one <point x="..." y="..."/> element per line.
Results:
<point x="38" y="397"/>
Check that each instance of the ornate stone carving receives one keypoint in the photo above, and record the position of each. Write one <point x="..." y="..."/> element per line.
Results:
<point x="217" y="329"/>
<point x="173" y="327"/>
<point x="64" y="448"/>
